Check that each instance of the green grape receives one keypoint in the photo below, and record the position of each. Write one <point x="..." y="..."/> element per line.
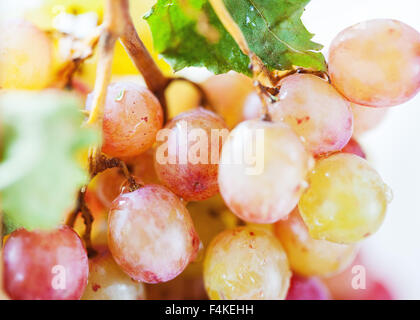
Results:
<point x="26" y="59"/>
<point x="346" y="200"/>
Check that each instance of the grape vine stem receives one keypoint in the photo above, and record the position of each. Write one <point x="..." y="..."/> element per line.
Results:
<point x="258" y="69"/>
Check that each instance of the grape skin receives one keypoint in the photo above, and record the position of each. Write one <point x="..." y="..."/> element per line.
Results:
<point x="108" y="282"/>
<point x="354" y="147"/>
<point x="340" y="285"/>
<point x="151" y="235"/>
<point x="376" y="63"/>
<point x="246" y="263"/>
<point x="302" y="288"/>
<point x="316" y="111"/>
<point x="29" y="259"/>
<point x="227" y="93"/>
<point x="366" y="118"/>
<point x="191" y="181"/>
<point x="24" y="65"/>
<point x="269" y="195"/>
<point x="132" y="118"/>
<point x="311" y="257"/>
<point x="346" y="200"/>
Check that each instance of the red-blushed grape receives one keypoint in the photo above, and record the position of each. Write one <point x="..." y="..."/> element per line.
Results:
<point x="307" y="256"/>
<point x="45" y="265"/>
<point x="187" y="157"/>
<point x="262" y="170"/>
<point x="376" y="62"/>
<point x="302" y="288"/>
<point x="108" y="282"/>
<point x="227" y="94"/>
<point x="151" y="235"/>
<point x="341" y="285"/>
<point x="366" y="118"/>
<point x="316" y="111"/>
<point x="132" y="118"/>
<point x="346" y="200"/>
<point x="246" y="263"/>
<point x="26" y="59"/>
<point x="354" y="147"/>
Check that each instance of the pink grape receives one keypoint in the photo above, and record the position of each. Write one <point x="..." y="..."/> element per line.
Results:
<point x="316" y="111"/>
<point x="151" y="235"/>
<point x="192" y="179"/>
<point x="34" y="261"/>
<point x="302" y="288"/>
<point x="376" y="62"/>
<point x="132" y="118"/>
<point x="366" y="118"/>
<point x="263" y="189"/>
<point x="354" y="147"/>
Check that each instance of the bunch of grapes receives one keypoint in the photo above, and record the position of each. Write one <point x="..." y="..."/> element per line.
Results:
<point x="275" y="208"/>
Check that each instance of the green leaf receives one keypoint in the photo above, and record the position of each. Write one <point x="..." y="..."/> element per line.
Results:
<point x="177" y="36"/>
<point x="183" y="32"/>
<point x="40" y="172"/>
<point x="274" y="31"/>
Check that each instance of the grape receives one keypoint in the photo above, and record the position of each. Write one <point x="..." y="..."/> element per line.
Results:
<point x="143" y="167"/>
<point x="316" y="111"/>
<point x="346" y="200"/>
<point x="366" y="118"/>
<point x="263" y="185"/>
<point x="354" y="147"/>
<point x="24" y="65"/>
<point x="340" y="285"/>
<point x="210" y="217"/>
<point x="42" y="265"/>
<point x="132" y="118"/>
<point x="151" y="235"/>
<point x="376" y="63"/>
<point x="227" y="94"/>
<point x="246" y="263"/>
<point x="307" y="256"/>
<point x="181" y="96"/>
<point x="307" y="289"/>
<point x="108" y="282"/>
<point x="108" y="185"/>
<point x="252" y="107"/>
<point x="189" y="167"/>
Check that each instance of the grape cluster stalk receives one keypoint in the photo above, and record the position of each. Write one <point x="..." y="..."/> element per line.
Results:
<point x="285" y="224"/>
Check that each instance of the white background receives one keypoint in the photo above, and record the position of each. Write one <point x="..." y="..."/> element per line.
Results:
<point x="393" y="148"/>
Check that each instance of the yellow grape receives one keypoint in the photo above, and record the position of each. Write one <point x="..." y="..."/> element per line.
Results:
<point x="310" y="257"/>
<point x="181" y="96"/>
<point x="25" y="56"/>
<point x="262" y="170"/>
<point x="108" y="282"/>
<point x="366" y="118"/>
<point x="246" y="263"/>
<point x="376" y="62"/>
<point x="346" y="200"/>
<point x="227" y="94"/>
